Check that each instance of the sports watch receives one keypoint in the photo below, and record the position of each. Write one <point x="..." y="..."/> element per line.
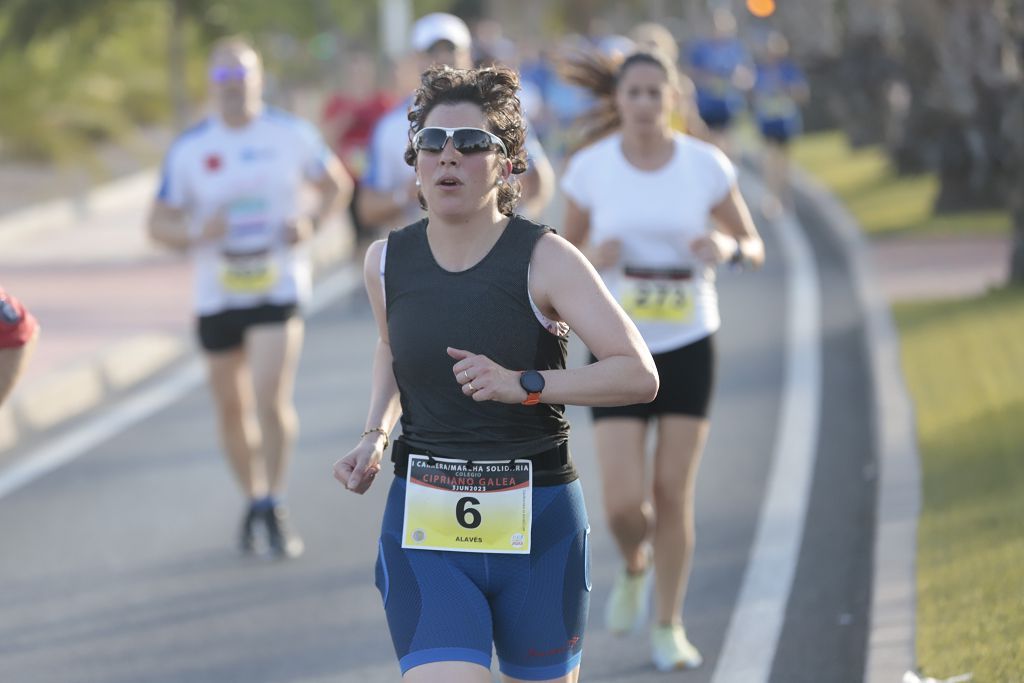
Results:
<point x="532" y="383"/>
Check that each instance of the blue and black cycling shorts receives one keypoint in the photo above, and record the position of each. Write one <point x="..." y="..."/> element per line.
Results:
<point x="451" y="606"/>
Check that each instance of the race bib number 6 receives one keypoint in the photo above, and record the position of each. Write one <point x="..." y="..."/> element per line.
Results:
<point x="480" y="507"/>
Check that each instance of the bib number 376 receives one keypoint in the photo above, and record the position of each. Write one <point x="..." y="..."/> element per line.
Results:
<point x="484" y="507"/>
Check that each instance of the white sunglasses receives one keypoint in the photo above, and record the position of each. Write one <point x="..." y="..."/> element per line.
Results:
<point x="465" y="140"/>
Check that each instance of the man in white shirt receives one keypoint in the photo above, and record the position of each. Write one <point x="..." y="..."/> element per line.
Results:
<point x="389" y="197"/>
<point x="229" y="195"/>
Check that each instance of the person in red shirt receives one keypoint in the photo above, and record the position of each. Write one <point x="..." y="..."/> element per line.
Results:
<point x="18" y="334"/>
<point x="348" y="120"/>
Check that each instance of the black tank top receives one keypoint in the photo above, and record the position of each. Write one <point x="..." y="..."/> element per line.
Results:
<point x="485" y="309"/>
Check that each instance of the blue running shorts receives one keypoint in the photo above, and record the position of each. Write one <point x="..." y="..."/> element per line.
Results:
<point x="450" y="606"/>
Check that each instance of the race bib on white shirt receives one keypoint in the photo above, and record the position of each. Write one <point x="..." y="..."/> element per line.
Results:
<point x="658" y="294"/>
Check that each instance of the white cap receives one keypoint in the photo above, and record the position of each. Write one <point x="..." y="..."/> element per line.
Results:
<point x="431" y="28"/>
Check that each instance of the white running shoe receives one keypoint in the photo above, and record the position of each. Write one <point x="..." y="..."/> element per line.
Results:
<point x="626" y="610"/>
<point x="671" y="651"/>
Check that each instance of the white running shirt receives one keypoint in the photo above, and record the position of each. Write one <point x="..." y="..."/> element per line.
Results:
<point x="256" y="174"/>
<point x="667" y="291"/>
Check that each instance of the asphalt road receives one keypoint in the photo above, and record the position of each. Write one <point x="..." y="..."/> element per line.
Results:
<point x="121" y="565"/>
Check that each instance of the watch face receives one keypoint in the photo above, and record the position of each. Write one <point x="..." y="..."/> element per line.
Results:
<point x="532" y="381"/>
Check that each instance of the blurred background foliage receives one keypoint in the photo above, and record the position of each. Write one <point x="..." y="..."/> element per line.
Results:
<point x="75" y="72"/>
<point x="936" y="85"/>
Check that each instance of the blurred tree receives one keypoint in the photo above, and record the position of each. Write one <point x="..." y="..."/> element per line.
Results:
<point x="1012" y="130"/>
<point x="960" y="83"/>
<point x="73" y="72"/>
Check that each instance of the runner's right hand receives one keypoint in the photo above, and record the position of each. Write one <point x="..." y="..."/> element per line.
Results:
<point x="358" y="469"/>
<point x="215" y="227"/>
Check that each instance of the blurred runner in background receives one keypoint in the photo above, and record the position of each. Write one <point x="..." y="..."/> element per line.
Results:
<point x="652" y="37"/>
<point x="779" y="90"/>
<point x="230" y="195"/>
<point x="722" y="70"/>
<point x="348" y="120"/>
<point x="639" y="201"/>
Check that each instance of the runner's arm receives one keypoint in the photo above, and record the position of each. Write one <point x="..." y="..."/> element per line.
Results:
<point x="359" y="467"/>
<point x="334" y="188"/>
<point x="566" y="287"/>
<point x="577" y="232"/>
<point x="538" y="186"/>
<point x="382" y="207"/>
<point x="733" y="218"/>
<point x="385" y="408"/>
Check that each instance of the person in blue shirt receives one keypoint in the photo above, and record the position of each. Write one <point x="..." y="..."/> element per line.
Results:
<point x="721" y="69"/>
<point x="779" y="90"/>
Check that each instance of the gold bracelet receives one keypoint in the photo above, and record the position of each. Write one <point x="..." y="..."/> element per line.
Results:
<point x="378" y="430"/>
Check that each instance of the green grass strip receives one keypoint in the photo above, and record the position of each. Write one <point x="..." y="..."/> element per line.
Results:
<point x="882" y="201"/>
<point x="964" y="362"/>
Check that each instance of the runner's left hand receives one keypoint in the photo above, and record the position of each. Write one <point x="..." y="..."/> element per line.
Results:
<point x="714" y="248"/>
<point x="298" y="230"/>
<point x="484" y="380"/>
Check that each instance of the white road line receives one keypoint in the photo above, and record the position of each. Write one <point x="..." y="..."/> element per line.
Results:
<point x="139" y="405"/>
<point x="753" y="634"/>
<point x="128" y="411"/>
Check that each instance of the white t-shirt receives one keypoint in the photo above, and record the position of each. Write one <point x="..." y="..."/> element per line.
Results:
<point x="386" y="170"/>
<point x="255" y="174"/>
<point x="664" y="287"/>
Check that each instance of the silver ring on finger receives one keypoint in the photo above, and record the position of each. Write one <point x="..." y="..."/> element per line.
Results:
<point x="470" y="385"/>
<point x="466" y="375"/>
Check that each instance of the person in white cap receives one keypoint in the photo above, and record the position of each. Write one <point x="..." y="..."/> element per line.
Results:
<point x="390" y="197"/>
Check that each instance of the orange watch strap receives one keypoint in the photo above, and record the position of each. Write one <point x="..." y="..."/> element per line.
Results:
<point x="532" y="399"/>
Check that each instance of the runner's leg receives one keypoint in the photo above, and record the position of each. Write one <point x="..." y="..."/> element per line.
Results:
<point x="273" y="353"/>
<point x="233" y="395"/>
<point x="681" y="441"/>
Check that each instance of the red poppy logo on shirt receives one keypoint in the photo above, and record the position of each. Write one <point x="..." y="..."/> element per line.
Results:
<point x="213" y="162"/>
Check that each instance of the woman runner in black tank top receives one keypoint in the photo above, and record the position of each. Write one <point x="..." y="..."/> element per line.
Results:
<point x="473" y="306"/>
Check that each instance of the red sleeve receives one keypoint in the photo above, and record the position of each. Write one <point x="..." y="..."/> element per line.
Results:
<point x="16" y="324"/>
<point x="333" y="107"/>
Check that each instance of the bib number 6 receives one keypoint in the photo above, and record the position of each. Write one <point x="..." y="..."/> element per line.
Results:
<point x="467" y="516"/>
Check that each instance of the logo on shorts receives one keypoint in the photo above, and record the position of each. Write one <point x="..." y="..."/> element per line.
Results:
<point x="419" y="535"/>
<point x="569" y="646"/>
<point x="517" y="540"/>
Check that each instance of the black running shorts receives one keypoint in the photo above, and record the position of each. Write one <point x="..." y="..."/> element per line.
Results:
<point x="225" y="330"/>
<point x="687" y="377"/>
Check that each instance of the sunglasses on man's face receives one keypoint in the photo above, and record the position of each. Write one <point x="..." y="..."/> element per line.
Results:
<point x="228" y="74"/>
<point x="465" y="140"/>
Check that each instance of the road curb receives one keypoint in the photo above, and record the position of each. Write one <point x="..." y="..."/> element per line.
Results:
<point x="891" y="639"/>
<point x="72" y="391"/>
<point x="27" y="222"/>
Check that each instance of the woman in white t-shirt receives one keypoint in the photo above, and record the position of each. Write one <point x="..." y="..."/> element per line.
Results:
<point x="640" y="197"/>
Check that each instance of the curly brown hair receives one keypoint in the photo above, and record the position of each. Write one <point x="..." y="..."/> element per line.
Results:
<point x="493" y="89"/>
<point x="600" y="75"/>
